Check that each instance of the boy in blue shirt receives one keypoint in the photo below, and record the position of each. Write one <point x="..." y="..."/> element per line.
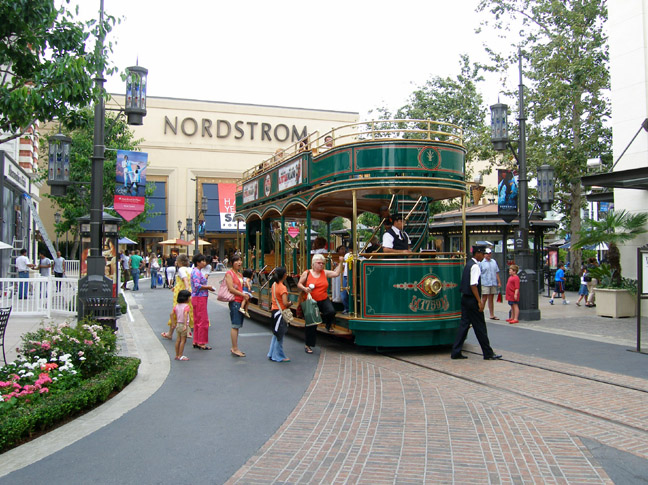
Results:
<point x="560" y="285"/>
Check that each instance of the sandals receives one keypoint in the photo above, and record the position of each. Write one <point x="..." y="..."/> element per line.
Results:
<point x="166" y="336"/>
<point x="237" y="353"/>
<point x="182" y="357"/>
<point x="494" y="318"/>
<point x="308" y="350"/>
<point x="201" y="347"/>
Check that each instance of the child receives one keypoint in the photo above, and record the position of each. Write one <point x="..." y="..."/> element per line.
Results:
<point x="181" y="311"/>
<point x="559" y="290"/>
<point x="582" y="291"/>
<point x="513" y="293"/>
<point x="247" y="289"/>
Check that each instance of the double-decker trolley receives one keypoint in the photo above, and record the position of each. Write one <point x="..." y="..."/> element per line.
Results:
<point x="395" y="299"/>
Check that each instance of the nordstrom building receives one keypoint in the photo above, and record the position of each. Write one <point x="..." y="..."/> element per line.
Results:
<point x="201" y="148"/>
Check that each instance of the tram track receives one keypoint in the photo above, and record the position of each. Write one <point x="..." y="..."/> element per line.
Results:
<point x="526" y="395"/>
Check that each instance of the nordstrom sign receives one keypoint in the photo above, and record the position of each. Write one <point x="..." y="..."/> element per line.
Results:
<point x="238" y="130"/>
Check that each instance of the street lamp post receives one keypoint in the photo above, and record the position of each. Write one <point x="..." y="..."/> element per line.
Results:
<point x="188" y="227"/>
<point x="524" y="258"/>
<point x="198" y="212"/>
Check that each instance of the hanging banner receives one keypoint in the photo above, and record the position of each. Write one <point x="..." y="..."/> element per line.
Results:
<point x="130" y="186"/>
<point x="507" y="194"/>
<point x="227" y="206"/>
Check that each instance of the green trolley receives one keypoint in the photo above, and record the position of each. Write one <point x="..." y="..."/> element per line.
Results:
<point x="406" y="299"/>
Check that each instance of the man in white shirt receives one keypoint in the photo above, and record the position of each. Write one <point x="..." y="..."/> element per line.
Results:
<point x="395" y="240"/>
<point x="22" y="267"/>
<point x="59" y="269"/>
<point x="44" y="265"/>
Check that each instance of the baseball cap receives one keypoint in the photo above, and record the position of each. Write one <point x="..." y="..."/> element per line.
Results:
<point x="488" y="251"/>
<point x="478" y="249"/>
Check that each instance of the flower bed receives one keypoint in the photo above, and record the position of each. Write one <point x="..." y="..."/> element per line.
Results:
<point x="60" y="372"/>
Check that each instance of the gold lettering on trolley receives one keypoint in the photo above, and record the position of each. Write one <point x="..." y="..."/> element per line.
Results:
<point x="425" y="305"/>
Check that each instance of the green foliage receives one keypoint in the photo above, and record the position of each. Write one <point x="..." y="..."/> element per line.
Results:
<point x="607" y="278"/>
<point x="21" y="422"/>
<point x="566" y="63"/>
<point x="47" y="68"/>
<point x="79" y="125"/>
<point x="453" y="100"/>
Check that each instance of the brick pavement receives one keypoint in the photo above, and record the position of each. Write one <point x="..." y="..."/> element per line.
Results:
<point x="368" y="418"/>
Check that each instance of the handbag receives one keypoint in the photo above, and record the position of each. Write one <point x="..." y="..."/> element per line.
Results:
<point x="224" y="293"/>
<point x="499" y="298"/>
<point x="286" y="313"/>
<point x="311" y="311"/>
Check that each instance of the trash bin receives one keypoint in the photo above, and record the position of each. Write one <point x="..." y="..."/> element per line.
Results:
<point x="102" y="309"/>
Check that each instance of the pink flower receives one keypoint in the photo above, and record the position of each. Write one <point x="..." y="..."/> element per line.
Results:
<point x="88" y="342"/>
<point x="81" y="353"/>
<point x="44" y="390"/>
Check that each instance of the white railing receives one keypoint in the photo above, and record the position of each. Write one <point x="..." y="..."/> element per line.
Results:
<point x="72" y="268"/>
<point x="39" y="296"/>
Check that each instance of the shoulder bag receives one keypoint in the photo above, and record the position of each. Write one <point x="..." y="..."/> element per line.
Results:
<point x="224" y="293"/>
<point x="311" y="311"/>
<point x="286" y="313"/>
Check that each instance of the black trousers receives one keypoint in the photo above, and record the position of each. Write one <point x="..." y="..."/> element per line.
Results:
<point x="328" y="317"/>
<point x="470" y="315"/>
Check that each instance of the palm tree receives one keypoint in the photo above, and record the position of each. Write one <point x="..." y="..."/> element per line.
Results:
<point x="615" y="228"/>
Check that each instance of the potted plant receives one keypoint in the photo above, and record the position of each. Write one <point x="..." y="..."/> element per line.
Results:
<point x="615" y="294"/>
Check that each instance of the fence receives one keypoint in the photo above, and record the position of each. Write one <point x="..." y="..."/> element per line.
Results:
<point x="39" y="296"/>
<point x="72" y="268"/>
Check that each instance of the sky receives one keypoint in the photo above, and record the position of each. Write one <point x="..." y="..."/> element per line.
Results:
<point x="353" y="55"/>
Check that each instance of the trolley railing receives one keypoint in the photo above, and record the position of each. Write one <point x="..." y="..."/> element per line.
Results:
<point x="397" y="129"/>
<point x="39" y="296"/>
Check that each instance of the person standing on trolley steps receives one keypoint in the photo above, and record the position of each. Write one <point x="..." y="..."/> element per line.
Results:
<point x="472" y="309"/>
<point x="395" y="240"/>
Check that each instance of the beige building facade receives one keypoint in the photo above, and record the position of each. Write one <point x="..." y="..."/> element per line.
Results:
<point x="199" y="148"/>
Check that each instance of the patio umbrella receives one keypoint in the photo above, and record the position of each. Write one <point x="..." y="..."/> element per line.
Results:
<point x="174" y="242"/>
<point x="4" y="245"/>
<point x="200" y="243"/>
<point x="125" y="240"/>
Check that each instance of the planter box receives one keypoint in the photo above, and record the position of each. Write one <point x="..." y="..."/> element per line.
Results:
<point x="615" y="303"/>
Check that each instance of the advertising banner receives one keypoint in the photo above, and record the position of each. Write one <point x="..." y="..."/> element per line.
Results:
<point x="130" y="187"/>
<point x="250" y="191"/>
<point x="289" y="175"/>
<point x="227" y="206"/>
<point x="507" y="194"/>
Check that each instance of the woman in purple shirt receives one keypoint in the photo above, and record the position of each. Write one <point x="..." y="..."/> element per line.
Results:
<point x="199" y="294"/>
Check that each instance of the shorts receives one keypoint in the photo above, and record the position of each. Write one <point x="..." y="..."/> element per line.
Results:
<point x="559" y="288"/>
<point x="235" y="315"/>
<point x="513" y="302"/>
<point x="489" y="290"/>
<point x="246" y="292"/>
<point x="182" y="330"/>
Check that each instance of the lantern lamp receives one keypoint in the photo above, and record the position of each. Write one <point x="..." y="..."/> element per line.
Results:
<point x="58" y="173"/>
<point x="499" y="127"/>
<point x="546" y="186"/>
<point x="135" y="105"/>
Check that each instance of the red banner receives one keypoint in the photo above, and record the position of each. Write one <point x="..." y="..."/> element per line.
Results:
<point x="129" y="207"/>
<point x="227" y="205"/>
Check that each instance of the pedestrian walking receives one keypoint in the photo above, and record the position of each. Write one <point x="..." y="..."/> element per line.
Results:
<point x="592" y="284"/>
<point x="472" y="309"/>
<point x="559" y="288"/>
<point x="234" y="281"/>
<point x="199" y="294"/>
<point x="491" y="282"/>
<point x="59" y="269"/>
<point x="513" y="293"/>
<point x="124" y="260"/>
<point x="136" y="265"/>
<point x="181" y="313"/>
<point x="280" y="301"/>
<point x="154" y="266"/>
<point x="22" y="267"/>
<point x="583" y="291"/>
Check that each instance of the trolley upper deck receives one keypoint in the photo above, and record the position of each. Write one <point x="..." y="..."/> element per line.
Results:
<point x="376" y="159"/>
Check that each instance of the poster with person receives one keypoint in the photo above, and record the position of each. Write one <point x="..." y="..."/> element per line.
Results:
<point x="507" y="194"/>
<point x="131" y="173"/>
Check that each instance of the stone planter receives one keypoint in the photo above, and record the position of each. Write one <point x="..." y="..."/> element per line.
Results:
<point x="615" y="303"/>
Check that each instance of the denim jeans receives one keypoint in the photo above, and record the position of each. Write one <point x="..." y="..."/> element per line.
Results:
<point x="345" y="294"/>
<point x="23" y="288"/>
<point x="154" y="277"/>
<point x="135" y="273"/>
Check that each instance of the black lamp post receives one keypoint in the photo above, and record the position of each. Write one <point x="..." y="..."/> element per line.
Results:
<point x="524" y="258"/>
<point x="198" y="213"/>
<point x="188" y="227"/>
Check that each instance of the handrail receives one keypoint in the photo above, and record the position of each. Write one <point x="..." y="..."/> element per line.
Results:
<point x="352" y="133"/>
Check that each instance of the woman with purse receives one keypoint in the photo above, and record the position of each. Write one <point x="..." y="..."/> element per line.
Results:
<point x="234" y="281"/>
<point x="314" y="282"/>
<point x="281" y="316"/>
<point x="199" y="289"/>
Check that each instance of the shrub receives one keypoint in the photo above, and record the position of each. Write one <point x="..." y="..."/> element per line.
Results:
<point x="20" y="422"/>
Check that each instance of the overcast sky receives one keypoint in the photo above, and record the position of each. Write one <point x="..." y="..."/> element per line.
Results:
<point x="352" y="55"/>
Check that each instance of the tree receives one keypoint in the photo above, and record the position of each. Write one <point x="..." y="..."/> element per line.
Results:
<point x="76" y="203"/>
<point x="45" y="70"/>
<point x="453" y="100"/>
<point x="566" y="55"/>
<point x="615" y="228"/>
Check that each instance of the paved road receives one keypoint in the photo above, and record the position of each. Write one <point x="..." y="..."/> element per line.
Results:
<point x="563" y="407"/>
